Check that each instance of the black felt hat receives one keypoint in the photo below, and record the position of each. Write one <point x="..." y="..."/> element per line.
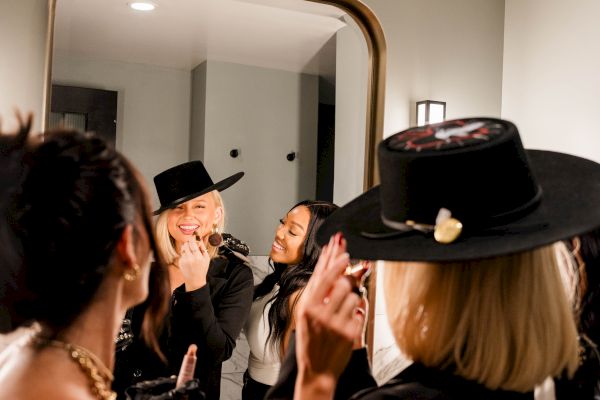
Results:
<point x="466" y="189"/>
<point x="185" y="182"/>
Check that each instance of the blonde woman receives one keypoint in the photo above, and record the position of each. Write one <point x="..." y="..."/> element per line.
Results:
<point x="212" y="290"/>
<point x="466" y="218"/>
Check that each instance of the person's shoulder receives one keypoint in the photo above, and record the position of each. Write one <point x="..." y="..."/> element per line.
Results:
<point x="233" y="269"/>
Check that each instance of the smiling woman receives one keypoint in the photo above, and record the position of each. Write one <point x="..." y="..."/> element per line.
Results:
<point x="293" y="255"/>
<point x="212" y="289"/>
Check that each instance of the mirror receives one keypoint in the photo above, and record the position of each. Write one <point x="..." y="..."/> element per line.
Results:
<point x="288" y="91"/>
<point x="242" y="85"/>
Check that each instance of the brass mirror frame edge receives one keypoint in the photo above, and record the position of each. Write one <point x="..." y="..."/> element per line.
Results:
<point x="47" y="90"/>
<point x="377" y="57"/>
<point x="372" y="30"/>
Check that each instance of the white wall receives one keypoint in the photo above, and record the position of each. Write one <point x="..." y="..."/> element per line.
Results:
<point x="441" y="50"/>
<point x="153" y="116"/>
<point x="350" y="112"/>
<point x="23" y="26"/>
<point x="198" y="112"/>
<point x="551" y="81"/>
<point x="265" y="114"/>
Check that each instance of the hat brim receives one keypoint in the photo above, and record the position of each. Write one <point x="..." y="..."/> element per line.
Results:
<point x="570" y="206"/>
<point x="220" y="186"/>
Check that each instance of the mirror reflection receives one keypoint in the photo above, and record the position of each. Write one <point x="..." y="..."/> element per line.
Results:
<point x="241" y="85"/>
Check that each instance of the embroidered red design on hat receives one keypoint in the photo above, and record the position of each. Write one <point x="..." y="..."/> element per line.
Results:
<point x="445" y="136"/>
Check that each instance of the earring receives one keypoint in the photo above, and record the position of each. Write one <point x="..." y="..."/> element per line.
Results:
<point x="133" y="274"/>
<point x="215" y="239"/>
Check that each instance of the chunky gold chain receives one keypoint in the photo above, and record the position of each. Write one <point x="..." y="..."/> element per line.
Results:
<point x="99" y="374"/>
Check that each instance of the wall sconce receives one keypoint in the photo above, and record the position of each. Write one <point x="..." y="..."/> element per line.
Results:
<point x="430" y="112"/>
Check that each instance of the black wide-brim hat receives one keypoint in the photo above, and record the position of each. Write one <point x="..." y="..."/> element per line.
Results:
<point x="186" y="181"/>
<point x="502" y="198"/>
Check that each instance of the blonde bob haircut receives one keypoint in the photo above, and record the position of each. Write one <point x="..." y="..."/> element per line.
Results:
<point x="504" y="322"/>
<point x="165" y="242"/>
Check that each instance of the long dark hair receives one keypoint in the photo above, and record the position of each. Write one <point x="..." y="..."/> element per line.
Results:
<point x="12" y="148"/>
<point x="76" y="196"/>
<point x="291" y="279"/>
<point x="585" y="383"/>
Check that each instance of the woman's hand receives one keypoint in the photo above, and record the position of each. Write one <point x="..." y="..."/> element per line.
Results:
<point x="327" y="324"/>
<point x="193" y="263"/>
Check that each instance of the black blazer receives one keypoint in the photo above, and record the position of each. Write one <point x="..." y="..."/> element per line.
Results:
<point x="211" y="317"/>
<point x="416" y="382"/>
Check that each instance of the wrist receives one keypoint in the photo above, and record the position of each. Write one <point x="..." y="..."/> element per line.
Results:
<point x="191" y="286"/>
<point x="318" y="386"/>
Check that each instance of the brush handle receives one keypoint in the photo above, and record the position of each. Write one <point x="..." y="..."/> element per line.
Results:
<point x="188" y="366"/>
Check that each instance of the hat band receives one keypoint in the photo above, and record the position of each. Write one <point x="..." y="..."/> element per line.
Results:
<point x="479" y="223"/>
<point x="489" y="225"/>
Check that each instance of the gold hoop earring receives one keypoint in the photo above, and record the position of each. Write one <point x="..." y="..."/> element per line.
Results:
<point x="215" y="239"/>
<point x="132" y="274"/>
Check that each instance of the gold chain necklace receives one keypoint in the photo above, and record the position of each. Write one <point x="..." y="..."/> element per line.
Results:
<point x="99" y="374"/>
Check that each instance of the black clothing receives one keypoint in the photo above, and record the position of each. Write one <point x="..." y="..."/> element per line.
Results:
<point x="253" y="390"/>
<point x="416" y="382"/>
<point x="585" y="384"/>
<point x="212" y="317"/>
<point x="355" y="377"/>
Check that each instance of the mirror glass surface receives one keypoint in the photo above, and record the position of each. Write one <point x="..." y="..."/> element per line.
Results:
<point x="241" y="85"/>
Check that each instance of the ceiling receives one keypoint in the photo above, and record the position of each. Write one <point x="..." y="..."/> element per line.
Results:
<point x="292" y="35"/>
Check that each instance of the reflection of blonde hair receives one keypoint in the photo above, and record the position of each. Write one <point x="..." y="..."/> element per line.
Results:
<point x="165" y="242"/>
<point x="504" y="322"/>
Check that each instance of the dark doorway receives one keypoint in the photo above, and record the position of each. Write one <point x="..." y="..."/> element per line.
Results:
<point x="85" y="109"/>
<point x="325" y="151"/>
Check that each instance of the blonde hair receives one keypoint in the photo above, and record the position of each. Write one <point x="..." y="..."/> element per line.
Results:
<point x="504" y="322"/>
<point x="165" y="242"/>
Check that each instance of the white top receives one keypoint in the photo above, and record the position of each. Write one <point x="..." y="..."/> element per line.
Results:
<point x="263" y="362"/>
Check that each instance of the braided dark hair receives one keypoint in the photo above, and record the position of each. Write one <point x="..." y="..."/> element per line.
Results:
<point x="292" y="278"/>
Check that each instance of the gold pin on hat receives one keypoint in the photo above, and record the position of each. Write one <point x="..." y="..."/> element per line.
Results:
<point x="447" y="231"/>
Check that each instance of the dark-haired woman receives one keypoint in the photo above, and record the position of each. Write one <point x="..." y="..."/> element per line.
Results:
<point x="82" y="221"/>
<point x="294" y="254"/>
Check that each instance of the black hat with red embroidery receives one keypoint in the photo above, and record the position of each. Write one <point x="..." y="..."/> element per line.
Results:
<point x="467" y="189"/>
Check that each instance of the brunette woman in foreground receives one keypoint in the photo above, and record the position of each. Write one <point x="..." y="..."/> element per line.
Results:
<point x="81" y="220"/>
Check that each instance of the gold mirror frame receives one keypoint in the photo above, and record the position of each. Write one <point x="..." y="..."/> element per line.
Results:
<point x="377" y="53"/>
<point x="377" y="56"/>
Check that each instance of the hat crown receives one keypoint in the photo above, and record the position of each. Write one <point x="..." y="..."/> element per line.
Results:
<point x="476" y="168"/>
<point x="182" y="181"/>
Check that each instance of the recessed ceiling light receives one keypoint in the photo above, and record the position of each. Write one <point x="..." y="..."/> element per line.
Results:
<point x="142" y="6"/>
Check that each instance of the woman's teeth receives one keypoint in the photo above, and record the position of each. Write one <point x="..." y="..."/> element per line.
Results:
<point x="278" y="247"/>
<point x="188" y="229"/>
